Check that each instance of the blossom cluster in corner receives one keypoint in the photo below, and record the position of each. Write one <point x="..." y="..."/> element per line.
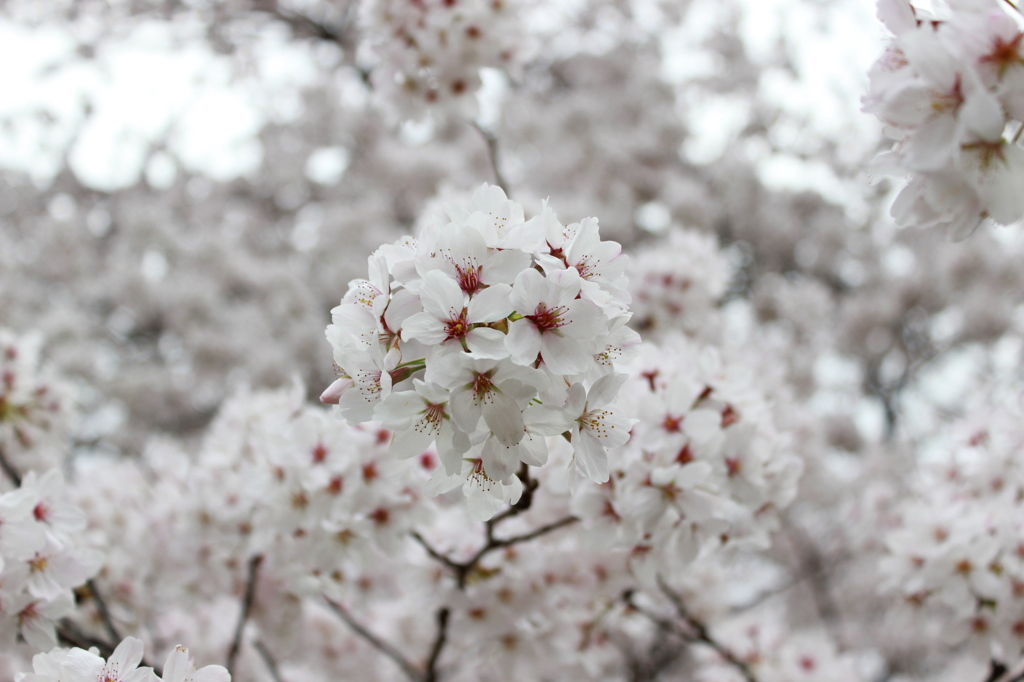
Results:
<point x="79" y="665"/>
<point x="484" y="336"/>
<point x="950" y="91"/>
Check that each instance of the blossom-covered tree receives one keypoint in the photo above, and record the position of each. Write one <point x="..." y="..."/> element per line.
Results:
<point x="637" y="366"/>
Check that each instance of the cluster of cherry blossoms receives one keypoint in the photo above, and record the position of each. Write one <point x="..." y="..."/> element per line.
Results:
<point x="276" y="481"/>
<point x="42" y="559"/>
<point x="484" y="336"/>
<point x="678" y="283"/>
<point x="705" y="467"/>
<point x="956" y="552"/>
<point x="79" y="665"/>
<point x="950" y="90"/>
<point x="36" y="409"/>
<point x="427" y="54"/>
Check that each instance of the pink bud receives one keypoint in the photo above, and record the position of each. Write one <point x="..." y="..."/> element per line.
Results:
<point x="334" y="391"/>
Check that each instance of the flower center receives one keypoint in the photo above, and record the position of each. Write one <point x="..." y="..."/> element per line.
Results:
<point x="457" y="327"/>
<point x="548" y="319"/>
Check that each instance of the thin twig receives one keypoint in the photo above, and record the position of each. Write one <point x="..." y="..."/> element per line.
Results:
<point x="701" y="632"/>
<point x="439" y="641"/>
<point x="464" y="569"/>
<point x="492" y="154"/>
<point x="268" y="660"/>
<point x="243" y="617"/>
<point x="375" y="641"/>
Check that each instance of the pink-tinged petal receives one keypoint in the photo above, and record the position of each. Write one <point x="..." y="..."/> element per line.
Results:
<point x="481" y="505"/>
<point x="575" y="401"/>
<point x="983" y="115"/>
<point x="605" y="389"/>
<point x="441" y="295"/>
<point x="425" y="327"/>
<point x="897" y="15"/>
<point x="930" y="58"/>
<point x="584" y="320"/>
<point x="398" y="409"/>
<point x="501" y="267"/>
<point x="176" y="668"/>
<point x="500" y="461"/>
<point x="565" y="285"/>
<point x="491" y="304"/>
<point x="82" y="664"/>
<point x="212" y="673"/>
<point x="403" y="305"/>
<point x="486" y="344"/>
<point x="933" y="144"/>
<point x="533" y="450"/>
<point x="465" y="410"/>
<point x="411" y="442"/>
<point x="449" y="370"/>
<point x="142" y="675"/>
<point x="523" y="342"/>
<point x="333" y="392"/>
<point x="504" y="419"/>
<point x="703" y="425"/>
<point x="548" y="421"/>
<point x="1000" y="186"/>
<point x="39" y="633"/>
<point x="451" y="445"/>
<point x="591" y="458"/>
<point x="563" y="355"/>
<point x="127" y="655"/>
<point x="529" y="291"/>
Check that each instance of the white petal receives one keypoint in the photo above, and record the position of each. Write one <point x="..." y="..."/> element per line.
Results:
<point x="504" y="419"/>
<point x="491" y="304"/>
<point x="523" y="342"/>
<point x="487" y="344"/>
<point x="591" y="458"/>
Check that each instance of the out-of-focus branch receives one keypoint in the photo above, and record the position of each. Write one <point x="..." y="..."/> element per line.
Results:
<point x="695" y="630"/>
<point x="439" y="641"/>
<point x="306" y="26"/>
<point x="492" y="155"/>
<point x="101" y="606"/>
<point x="268" y="660"/>
<point x="464" y="569"/>
<point x="243" y="617"/>
<point x="9" y="469"/>
<point x="376" y="642"/>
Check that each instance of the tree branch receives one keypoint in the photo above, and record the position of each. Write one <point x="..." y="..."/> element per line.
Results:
<point x="268" y="659"/>
<point x="376" y="642"/>
<point x="243" y="617"/>
<point x="492" y="155"/>
<point x="463" y="570"/>
<point x="439" y="642"/>
<point x="700" y="634"/>
<point x="101" y="606"/>
<point x="9" y="470"/>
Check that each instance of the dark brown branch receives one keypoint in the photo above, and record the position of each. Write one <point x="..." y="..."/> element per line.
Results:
<point x="375" y="641"/>
<point x="492" y="155"/>
<point x="268" y="660"/>
<point x="439" y="641"/>
<point x="463" y="569"/>
<point x="243" y="617"/>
